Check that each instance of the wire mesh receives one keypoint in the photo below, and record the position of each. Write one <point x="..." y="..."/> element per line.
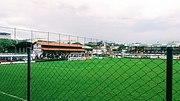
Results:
<point x="102" y="77"/>
<point x="81" y="68"/>
<point x="99" y="79"/>
<point x="176" y="74"/>
<point x="13" y="82"/>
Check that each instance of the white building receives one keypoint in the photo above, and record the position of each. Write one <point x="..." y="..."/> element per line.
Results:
<point x="97" y="51"/>
<point x="174" y="44"/>
<point x="4" y="35"/>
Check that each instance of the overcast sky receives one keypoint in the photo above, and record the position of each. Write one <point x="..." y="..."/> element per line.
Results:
<point x="125" y="21"/>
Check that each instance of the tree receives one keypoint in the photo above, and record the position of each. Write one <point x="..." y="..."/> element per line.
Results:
<point x="78" y="43"/>
<point x="121" y="47"/>
<point x="5" y="44"/>
<point x="92" y="44"/>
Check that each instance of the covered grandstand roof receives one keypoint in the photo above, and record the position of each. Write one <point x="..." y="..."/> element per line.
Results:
<point x="63" y="49"/>
<point x="24" y="44"/>
<point x="53" y="46"/>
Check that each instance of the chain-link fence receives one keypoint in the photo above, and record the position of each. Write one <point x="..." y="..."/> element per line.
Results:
<point x="65" y="68"/>
<point x="99" y="79"/>
<point x="13" y="82"/>
<point x="176" y="80"/>
<point x="176" y="76"/>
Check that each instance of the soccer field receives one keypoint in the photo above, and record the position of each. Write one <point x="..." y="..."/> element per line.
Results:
<point x="89" y="80"/>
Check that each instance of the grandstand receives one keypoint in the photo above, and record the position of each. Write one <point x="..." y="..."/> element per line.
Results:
<point x="54" y="50"/>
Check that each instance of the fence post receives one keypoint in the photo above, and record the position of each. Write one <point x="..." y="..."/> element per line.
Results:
<point x="28" y="74"/>
<point x="169" y="70"/>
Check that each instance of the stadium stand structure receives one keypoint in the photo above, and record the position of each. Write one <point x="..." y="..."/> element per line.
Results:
<point x="55" y="50"/>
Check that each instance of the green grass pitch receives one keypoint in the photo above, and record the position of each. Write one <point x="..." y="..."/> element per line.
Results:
<point x="89" y="80"/>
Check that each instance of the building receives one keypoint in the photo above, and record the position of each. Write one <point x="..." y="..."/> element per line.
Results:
<point x="17" y="53"/>
<point x="54" y="49"/>
<point x="50" y="50"/>
<point x="21" y="48"/>
<point x="156" y="48"/>
<point x="88" y="49"/>
<point x="4" y="35"/>
<point x="42" y="50"/>
<point x="174" y="44"/>
<point x="97" y="51"/>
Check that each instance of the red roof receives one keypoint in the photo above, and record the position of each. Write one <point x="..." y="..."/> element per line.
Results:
<point x="64" y="49"/>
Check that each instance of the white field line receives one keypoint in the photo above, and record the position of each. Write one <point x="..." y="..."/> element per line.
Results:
<point x="13" y="96"/>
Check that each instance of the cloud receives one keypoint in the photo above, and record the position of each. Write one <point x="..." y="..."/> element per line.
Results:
<point x="116" y="20"/>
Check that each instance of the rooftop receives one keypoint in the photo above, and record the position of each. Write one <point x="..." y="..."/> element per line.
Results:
<point x="63" y="49"/>
<point x="4" y="33"/>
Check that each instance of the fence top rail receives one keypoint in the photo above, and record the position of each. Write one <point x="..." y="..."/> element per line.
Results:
<point x="47" y="32"/>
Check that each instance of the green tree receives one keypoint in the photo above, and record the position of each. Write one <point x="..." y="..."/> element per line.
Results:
<point x="5" y="44"/>
<point x="78" y="43"/>
<point x="121" y="47"/>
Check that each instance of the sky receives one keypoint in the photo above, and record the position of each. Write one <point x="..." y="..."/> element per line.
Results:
<point x="123" y="21"/>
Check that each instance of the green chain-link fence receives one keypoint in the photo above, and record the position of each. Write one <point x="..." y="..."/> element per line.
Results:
<point x="114" y="79"/>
